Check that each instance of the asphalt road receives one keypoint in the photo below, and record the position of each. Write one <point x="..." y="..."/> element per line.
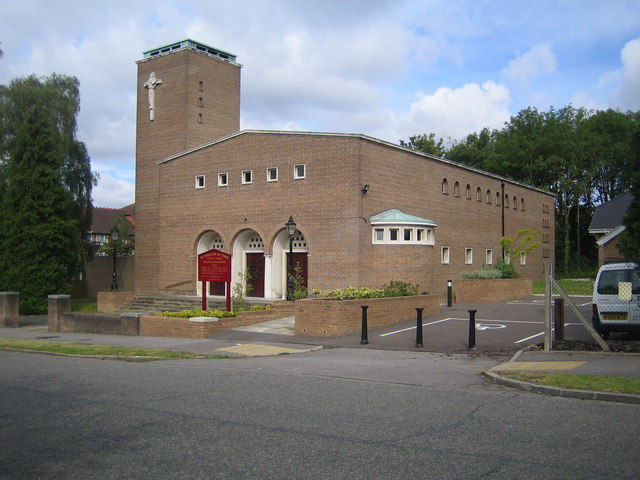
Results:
<point x="338" y="413"/>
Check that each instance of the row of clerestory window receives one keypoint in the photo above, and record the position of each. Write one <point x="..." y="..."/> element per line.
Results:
<point x="246" y="178"/>
<point x="487" y="196"/>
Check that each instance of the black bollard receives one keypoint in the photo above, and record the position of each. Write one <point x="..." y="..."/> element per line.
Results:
<point x="449" y="293"/>
<point x="419" y="327"/>
<point x="364" y="339"/>
<point x="472" y="329"/>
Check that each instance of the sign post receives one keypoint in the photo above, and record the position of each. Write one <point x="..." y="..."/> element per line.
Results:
<point x="214" y="266"/>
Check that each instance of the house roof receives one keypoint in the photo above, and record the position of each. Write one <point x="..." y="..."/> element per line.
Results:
<point x="398" y="217"/>
<point x="103" y="218"/>
<point x="610" y="215"/>
<point x="611" y="235"/>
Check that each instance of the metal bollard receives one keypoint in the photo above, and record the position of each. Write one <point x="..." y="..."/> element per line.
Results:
<point x="449" y="293"/>
<point x="419" y="327"/>
<point x="558" y="319"/>
<point x="472" y="329"/>
<point x="364" y="338"/>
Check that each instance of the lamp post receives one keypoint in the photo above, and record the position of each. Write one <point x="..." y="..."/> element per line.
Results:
<point x="114" y="278"/>
<point x="291" y="230"/>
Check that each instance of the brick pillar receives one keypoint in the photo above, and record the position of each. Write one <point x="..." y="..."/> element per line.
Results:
<point x="9" y="303"/>
<point x="58" y="305"/>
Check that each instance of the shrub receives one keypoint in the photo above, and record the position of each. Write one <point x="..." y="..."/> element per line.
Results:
<point x="507" y="269"/>
<point x="396" y="288"/>
<point x="392" y="289"/>
<point x="198" y="313"/>
<point x="484" y="274"/>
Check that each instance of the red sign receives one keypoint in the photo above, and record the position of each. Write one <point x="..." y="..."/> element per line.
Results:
<point x="214" y="266"/>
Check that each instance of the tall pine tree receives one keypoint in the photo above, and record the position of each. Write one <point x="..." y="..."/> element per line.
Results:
<point x="37" y="239"/>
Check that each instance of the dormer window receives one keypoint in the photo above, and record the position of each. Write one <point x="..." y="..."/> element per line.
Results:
<point x="394" y="227"/>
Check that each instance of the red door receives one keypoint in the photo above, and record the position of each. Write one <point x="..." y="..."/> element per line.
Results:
<point x="299" y="259"/>
<point x="255" y="269"/>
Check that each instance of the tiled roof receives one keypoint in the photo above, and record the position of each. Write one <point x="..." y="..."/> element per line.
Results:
<point x="610" y="215"/>
<point x="103" y="218"/>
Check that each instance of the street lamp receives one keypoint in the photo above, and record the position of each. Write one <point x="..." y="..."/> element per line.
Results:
<point x="114" y="278"/>
<point x="291" y="230"/>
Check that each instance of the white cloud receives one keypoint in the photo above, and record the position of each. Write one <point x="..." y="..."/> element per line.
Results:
<point x="537" y="62"/>
<point x="454" y="112"/>
<point x="630" y="75"/>
<point x="113" y="192"/>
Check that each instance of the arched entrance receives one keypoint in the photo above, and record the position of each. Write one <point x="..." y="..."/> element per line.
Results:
<point x="209" y="240"/>
<point x="248" y="263"/>
<point x="283" y="267"/>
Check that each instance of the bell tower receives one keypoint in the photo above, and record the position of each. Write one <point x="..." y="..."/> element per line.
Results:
<point x="187" y="94"/>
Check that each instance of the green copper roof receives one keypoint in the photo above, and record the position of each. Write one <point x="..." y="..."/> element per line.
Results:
<point x="188" y="43"/>
<point x="397" y="217"/>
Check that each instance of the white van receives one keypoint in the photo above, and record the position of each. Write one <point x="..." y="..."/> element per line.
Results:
<point x="616" y="298"/>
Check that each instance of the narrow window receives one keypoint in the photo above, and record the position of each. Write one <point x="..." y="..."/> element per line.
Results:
<point x="456" y="189"/>
<point x="200" y="102"/>
<point x="522" y="204"/>
<point x="378" y="235"/>
<point x="444" y="255"/>
<point x="299" y="171"/>
<point x="246" y="177"/>
<point x="488" y="258"/>
<point x="445" y="187"/>
<point x="272" y="174"/>
<point x="201" y="86"/>
<point x="199" y="118"/>
<point x="478" y="194"/>
<point x="489" y="197"/>
<point x="430" y="238"/>
<point x="223" y="179"/>
<point x="393" y="234"/>
<point x="506" y="201"/>
<point x="515" y="203"/>
<point x="199" y="181"/>
<point x="468" y="256"/>
<point x="523" y="258"/>
<point x="408" y="234"/>
<point x="467" y="192"/>
<point x="420" y="235"/>
<point x="498" y="198"/>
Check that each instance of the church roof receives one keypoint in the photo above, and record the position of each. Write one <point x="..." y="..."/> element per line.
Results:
<point x="398" y="217"/>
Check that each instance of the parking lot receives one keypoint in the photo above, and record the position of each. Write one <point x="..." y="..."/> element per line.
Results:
<point x="504" y="327"/>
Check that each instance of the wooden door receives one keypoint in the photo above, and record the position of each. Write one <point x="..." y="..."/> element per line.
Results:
<point x="301" y="260"/>
<point x="255" y="269"/>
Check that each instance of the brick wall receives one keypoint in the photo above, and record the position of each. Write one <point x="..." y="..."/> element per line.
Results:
<point x="110" y="301"/>
<point x="96" y="323"/>
<point x="492" y="290"/>
<point x="333" y="318"/>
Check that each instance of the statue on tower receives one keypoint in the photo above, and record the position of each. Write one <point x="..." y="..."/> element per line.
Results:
<point x="151" y="85"/>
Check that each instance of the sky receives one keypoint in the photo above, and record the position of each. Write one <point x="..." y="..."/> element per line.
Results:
<point x="389" y="69"/>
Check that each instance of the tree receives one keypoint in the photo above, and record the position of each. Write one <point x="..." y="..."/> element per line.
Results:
<point x="57" y="96"/>
<point x="123" y="242"/>
<point x="425" y="143"/>
<point x="37" y="237"/>
<point x="475" y="149"/>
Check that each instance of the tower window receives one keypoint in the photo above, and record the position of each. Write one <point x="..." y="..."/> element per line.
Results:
<point x="247" y="177"/>
<point x="272" y="174"/>
<point x="223" y="179"/>
<point x="199" y="181"/>
<point x="299" y="171"/>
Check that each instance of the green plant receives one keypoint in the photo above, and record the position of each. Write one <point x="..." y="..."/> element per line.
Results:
<point x="397" y="288"/>
<point x="299" y="290"/>
<point x="240" y="290"/>
<point x="506" y="269"/>
<point x="483" y="274"/>
<point x="198" y="313"/>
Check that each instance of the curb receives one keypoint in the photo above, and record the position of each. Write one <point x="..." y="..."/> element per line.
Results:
<point x="561" y="392"/>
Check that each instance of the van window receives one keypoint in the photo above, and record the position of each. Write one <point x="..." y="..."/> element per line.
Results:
<point x="609" y="279"/>
<point x="608" y="284"/>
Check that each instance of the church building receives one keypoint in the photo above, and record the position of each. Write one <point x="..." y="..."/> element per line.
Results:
<point x="366" y="211"/>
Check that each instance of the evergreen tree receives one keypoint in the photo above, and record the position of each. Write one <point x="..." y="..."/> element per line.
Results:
<point x="37" y="238"/>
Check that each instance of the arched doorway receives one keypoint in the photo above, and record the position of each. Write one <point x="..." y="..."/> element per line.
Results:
<point x="282" y="267"/>
<point x="248" y="263"/>
<point x="209" y="240"/>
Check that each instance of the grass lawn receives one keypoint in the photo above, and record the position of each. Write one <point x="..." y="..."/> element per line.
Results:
<point x="99" y="350"/>
<point x="572" y="286"/>
<point x="84" y="305"/>
<point x="579" y="382"/>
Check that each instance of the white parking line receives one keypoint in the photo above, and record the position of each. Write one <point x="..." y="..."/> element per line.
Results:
<point x="478" y="321"/>
<point x="412" y="328"/>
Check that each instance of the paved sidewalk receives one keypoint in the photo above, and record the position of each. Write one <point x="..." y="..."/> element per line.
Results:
<point x="587" y="363"/>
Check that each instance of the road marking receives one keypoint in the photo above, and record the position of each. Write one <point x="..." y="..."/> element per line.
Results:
<point x="489" y="326"/>
<point x="529" y="338"/>
<point x="460" y="320"/>
<point x="413" y="328"/>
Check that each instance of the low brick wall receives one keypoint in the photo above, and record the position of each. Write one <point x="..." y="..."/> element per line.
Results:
<point x="333" y="318"/>
<point x="110" y="301"/>
<point x="157" y="326"/>
<point x="493" y="290"/>
<point x="9" y="311"/>
<point x="96" y="323"/>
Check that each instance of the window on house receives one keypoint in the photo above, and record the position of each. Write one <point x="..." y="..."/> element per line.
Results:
<point x="272" y="174"/>
<point x="223" y="179"/>
<point x="403" y="235"/>
<point x="199" y="181"/>
<point x="488" y="197"/>
<point x="488" y="257"/>
<point x="498" y="198"/>
<point x="200" y="102"/>
<point x="522" y="204"/>
<point x="299" y="171"/>
<point x="523" y="258"/>
<point x="515" y="203"/>
<point x="456" y="189"/>
<point x="468" y="256"/>
<point x="467" y="192"/>
<point x="444" y="255"/>
<point x="393" y="234"/>
<point x="247" y="177"/>
<point x="378" y="235"/>
<point x="408" y="234"/>
<point x="506" y="201"/>
<point x="445" y="187"/>
<point x="201" y="86"/>
<point x="478" y="194"/>
<point x="199" y="118"/>
<point x="420" y="235"/>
